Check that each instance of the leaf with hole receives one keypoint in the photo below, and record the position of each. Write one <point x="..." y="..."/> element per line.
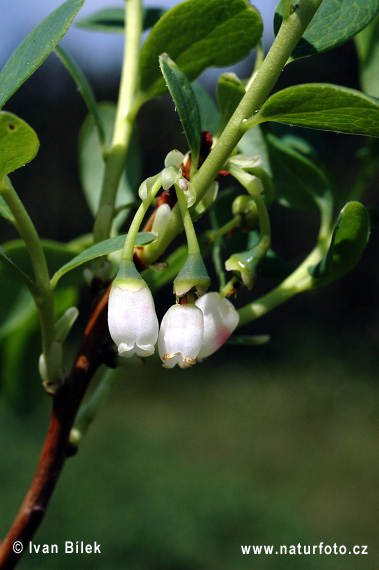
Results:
<point x="18" y="143"/>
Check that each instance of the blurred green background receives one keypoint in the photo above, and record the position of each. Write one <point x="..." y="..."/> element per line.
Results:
<point x="275" y="444"/>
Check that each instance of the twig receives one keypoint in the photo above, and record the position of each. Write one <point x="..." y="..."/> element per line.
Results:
<point x="56" y="447"/>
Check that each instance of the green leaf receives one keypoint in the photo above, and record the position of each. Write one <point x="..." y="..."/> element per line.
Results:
<point x="21" y="309"/>
<point x="247" y="340"/>
<point x="209" y="114"/>
<point x="98" y="250"/>
<point x="230" y="91"/>
<point x="349" y="241"/>
<point x="5" y="211"/>
<point x="18" y="143"/>
<point x="198" y="35"/>
<point x="91" y="162"/>
<point x="20" y="349"/>
<point x="36" y="47"/>
<point x="298" y="182"/>
<point x="25" y="279"/>
<point x="84" y="88"/>
<point x="335" y="22"/>
<point x="368" y="50"/>
<point x="186" y="103"/>
<point x="113" y="19"/>
<point x="323" y="106"/>
<point x="253" y="142"/>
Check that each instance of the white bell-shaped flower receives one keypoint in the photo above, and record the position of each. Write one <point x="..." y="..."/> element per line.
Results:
<point x="133" y="324"/>
<point x="220" y="320"/>
<point x="180" y="336"/>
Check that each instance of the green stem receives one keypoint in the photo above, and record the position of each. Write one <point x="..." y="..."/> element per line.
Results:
<point x="127" y="109"/>
<point x="288" y="36"/>
<point x="127" y="252"/>
<point x="300" y="280"/>
<point x="215" y="235"/>
<point x="44" y="300"/>
<point x="264" y="221"/>
<point x="224" y="291"/>
<point x="193" y="244"/>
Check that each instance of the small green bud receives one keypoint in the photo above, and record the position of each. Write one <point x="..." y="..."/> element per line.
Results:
<point x="246" y="207"/>
<point x="193" y="274"/>
<point x="50" y="368"/>
<point x="64" y="324"/>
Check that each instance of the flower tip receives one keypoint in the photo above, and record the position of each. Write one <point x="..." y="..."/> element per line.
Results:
<point x="169" y="361"/>
<point x="174" y="158"/>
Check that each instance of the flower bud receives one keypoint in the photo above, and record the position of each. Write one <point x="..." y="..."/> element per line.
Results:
<point x="174" y="158"/>
<point x="180" y="336"/>
<point x="220" y="320"/>
<point x="170" y="175"/>
<point x="64" y="324"/>
<point x="161" y="219"/>
<point x="133" y="324"/>
<point x="50" y="368"/>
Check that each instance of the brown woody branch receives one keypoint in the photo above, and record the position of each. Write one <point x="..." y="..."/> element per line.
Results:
<point x="56" y="447"/>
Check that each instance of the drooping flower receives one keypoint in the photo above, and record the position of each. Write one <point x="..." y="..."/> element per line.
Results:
<point x="180" y="336"/>
<point x="132" y="321"/>
<point x="220" y="320"/>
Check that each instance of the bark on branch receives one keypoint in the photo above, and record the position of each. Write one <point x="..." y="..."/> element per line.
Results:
<point x="56" y="448"/>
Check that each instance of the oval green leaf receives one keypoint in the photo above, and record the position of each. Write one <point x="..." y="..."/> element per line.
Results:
<point x="209" y="114"/>
<point x="230" y="91"/>
<point x="36" y="47"/>
<point x="335" y="22"/>
<point x="367" y="43"/>
<point x="18" y="143"/>
<point x="198" y="35"/>
<point x="323" y="106"/>
<point x="98" y="250"/>
<point x="185" y="101"/>
<point x="113" y="20"/>
<point x="298" y="182"/>
<point x="349" y="241"/>
<point x="91" y="162"/>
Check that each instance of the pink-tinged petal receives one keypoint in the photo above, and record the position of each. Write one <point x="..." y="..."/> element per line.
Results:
<point x="220" y="320"/>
